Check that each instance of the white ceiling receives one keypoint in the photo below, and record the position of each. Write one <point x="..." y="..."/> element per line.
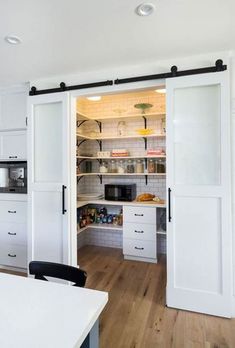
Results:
<point x="62" y="37"/>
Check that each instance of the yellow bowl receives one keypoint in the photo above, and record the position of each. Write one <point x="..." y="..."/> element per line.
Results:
<point x="144" y="131"/>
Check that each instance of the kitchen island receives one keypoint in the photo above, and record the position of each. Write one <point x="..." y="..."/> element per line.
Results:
<point x="42" y="314"/>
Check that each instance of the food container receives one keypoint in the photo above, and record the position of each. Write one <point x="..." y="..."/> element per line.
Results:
<point x="120" y="153"/>
<point x="88" y="166"/>
<point x="160" y="166"/>
<point x="121" y="167"/>
<point x="139" y="166"/>
<point x="104" y="167"/>
<point x="130" y="168"/>
<point x="151" y="166"/>
<point x="112" y="167"/>
<point x="102" y="154"/>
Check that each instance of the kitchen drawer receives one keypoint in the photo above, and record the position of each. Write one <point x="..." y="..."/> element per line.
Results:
<point x="140" y="248"/>
<point x="146" y="215"/>
<point x="13" y="255"/>
<point x="139" y="231"/>
<point x="13" y="211"/>
<point x="11" y="233"/>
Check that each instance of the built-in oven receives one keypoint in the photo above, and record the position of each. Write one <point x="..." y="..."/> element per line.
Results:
<point x="13" y="177"/>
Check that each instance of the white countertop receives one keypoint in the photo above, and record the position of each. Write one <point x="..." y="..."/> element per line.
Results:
<point x="133" y="203"/>
<point x="39" y="314"/>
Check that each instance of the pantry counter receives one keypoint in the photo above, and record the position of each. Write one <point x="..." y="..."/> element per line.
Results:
<point x="121" y="203"/>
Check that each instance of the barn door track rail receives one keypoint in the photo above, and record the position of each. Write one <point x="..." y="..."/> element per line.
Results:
<point x="219" y="66"/>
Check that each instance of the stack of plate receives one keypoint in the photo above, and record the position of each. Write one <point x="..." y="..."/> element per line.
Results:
<point x="89" y="196"/>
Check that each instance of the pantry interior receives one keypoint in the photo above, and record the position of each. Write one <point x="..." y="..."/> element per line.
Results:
<point x="121" y="139"/>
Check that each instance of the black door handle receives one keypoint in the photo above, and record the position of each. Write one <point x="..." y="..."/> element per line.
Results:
<point x="63" y="199"/>
<point x="169" y="204"/>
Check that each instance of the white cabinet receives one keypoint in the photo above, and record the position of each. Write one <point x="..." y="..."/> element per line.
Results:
<point x="13" y="109"/>
<point x="139" y="233"/>
<point x="13" y="233"/>
<point x="13" y="145"/>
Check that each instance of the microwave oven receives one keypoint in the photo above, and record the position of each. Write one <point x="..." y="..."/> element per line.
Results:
<point x="120" y="192"/>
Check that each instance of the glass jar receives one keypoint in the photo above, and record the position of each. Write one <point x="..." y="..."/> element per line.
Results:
<point x="151" y="166"/>
<point x="139" y="166"/>
<point x="88" y="166"/>
<point x="130" y="168"/>
<point x="112" y="167"/>
<point x="160" y="166"/>
<point x="163" y="125"/>
<point x="104" y="167"/>
<point x="121" y="167"/>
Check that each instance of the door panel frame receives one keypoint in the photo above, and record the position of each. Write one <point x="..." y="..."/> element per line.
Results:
<point x="222" y="191"/>
<point x="64" y="98"/>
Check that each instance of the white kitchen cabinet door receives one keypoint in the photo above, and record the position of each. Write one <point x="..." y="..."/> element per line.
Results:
<point x="13" y="109"/>
<point x="13" y="145"/>
<point x="199" y="262"/>
<point x="48" y="178"/>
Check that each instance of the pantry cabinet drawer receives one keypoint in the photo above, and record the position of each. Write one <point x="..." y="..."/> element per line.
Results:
<point x="13" y="211"/>
<point x="11" y="233"/>
<point x="13" y="255"/>
<point x="146" y="215"/>
<point x="140" y="248"/>
<point x="139" y="231"/>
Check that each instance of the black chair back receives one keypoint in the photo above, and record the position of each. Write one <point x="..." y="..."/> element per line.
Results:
<point x="42" y="269"/>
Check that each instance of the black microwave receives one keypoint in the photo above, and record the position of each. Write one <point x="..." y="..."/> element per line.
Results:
<point x="120" y="192"/>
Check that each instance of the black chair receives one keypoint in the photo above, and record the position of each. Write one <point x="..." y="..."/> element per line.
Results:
<point x="41" y="269"/>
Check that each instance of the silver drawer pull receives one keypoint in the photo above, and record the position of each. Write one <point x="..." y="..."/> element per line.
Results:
<point x="12" y="211"/>
<point x="12" y="255"/>
<point x="12" y="156"/>
<point x="139" y="231"/>
<point x="139" y="214"/>
<point x="139" y="248"/>
<point x="11" y="234"/>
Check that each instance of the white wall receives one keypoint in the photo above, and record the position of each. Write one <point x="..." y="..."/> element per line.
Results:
<point x="158" y="67"/>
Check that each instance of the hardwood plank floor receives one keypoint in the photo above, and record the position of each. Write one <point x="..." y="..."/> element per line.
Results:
<point x="136" y="316"/>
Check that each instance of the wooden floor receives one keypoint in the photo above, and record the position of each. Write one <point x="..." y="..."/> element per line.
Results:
<point x="136" y="316"/>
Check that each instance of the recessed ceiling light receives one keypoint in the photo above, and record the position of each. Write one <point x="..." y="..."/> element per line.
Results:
<point x="94" y="98"/>
<point x="160" y="90"/>
<point x="13" y="40"/>
<point x="145" y="9"/>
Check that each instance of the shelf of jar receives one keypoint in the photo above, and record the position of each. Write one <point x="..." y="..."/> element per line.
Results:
<point x="117" y="158"/>
<point x="101" y="227"/>
<point x="118" y="137"/>
<point x="122" y="174"/>
<point x="82" y="117"/>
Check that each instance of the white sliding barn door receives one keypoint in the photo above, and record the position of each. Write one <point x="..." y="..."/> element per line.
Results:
<point x="198" y="175"/>
<point x="48" y="178"/>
